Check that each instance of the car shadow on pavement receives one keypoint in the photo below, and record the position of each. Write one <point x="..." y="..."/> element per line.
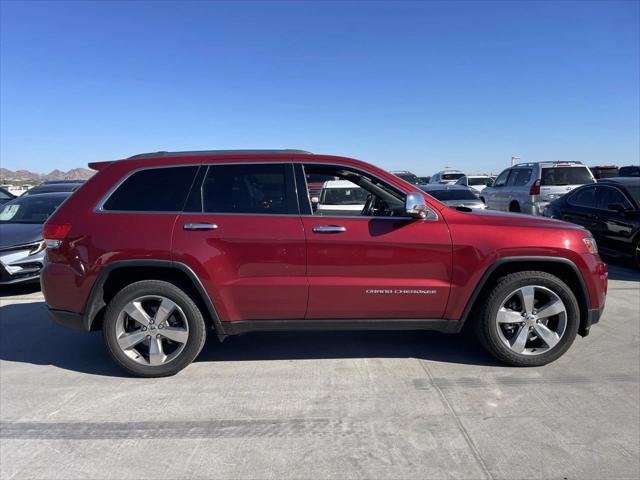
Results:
<point x="30" y="336"/>
<point x="19" y="289"/>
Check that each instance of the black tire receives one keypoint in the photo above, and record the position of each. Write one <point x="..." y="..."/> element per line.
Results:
<point x="487" y="329"/>
<point x="192" y="315"/>
<point x="514" y="207"/>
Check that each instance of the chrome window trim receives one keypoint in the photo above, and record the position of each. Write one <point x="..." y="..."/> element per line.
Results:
<point x="100" y="205"/>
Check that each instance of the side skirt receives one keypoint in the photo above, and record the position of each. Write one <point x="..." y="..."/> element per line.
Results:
<point x="245" y="326"/>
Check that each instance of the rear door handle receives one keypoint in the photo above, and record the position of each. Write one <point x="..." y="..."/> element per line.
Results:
<point x="329" y="229"/>
<point x="200" y="226"/>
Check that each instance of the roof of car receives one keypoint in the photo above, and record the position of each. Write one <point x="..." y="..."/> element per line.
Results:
<point x="442" y="186"/>
<point x="195" y="153"/>
<point x="621" y="180"/>
<point x="551" y="163"/>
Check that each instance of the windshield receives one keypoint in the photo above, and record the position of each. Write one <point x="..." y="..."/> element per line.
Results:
<point x="452" y="176"/>
<point x="565" y="176"/>
<point x="486" y="181"/>
<point x="452" y="194"/>
<point x="344" y="196"/>
<point x="32" y="209"/>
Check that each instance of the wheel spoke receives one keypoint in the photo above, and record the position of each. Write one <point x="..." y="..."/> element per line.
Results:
<point x="549" y="337"/>
<point x="527" y="294"/>
<point x="130" y="340"/>
<point x="136" y="312"/>
<point x="165" y="310"/>
<point x="506" y="315"/>
<point x="179" y="335"/>
<point x="554" y="307"/>
<point x="520" y="341"/>
<point x="156" y="352"/>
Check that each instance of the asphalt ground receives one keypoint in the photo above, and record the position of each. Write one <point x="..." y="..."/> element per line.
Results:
<point x="321" y="405"/>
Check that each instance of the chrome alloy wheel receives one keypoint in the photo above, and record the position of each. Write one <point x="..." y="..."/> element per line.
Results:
<point x="152" y="330"/>
<point x="531" y="320"/>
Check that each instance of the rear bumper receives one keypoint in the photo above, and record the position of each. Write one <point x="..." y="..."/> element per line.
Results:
<point x="69" y="319"/>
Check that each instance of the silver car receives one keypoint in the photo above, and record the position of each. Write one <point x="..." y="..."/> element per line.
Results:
<point x="529" y="187"/>
<point x="454" y="196"/>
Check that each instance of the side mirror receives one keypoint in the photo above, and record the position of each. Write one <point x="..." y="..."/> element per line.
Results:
<point x="416" y="207"/>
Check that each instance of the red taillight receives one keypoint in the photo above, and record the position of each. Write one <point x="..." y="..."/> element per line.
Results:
<point x="535" y="188"/>
<point x="55" y="231"/>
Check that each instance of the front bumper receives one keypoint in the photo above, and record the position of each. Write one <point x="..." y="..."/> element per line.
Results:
<point x="19" y="265"/>
<point x="593" y="317"/>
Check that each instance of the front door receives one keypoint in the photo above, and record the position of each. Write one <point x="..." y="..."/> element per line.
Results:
<point x="379" y="264"/>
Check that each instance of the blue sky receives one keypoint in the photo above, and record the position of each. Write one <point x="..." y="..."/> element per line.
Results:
<point x="406" y="85"/>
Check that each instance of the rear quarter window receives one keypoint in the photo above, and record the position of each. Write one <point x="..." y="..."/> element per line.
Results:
<point x="153" y="190"/>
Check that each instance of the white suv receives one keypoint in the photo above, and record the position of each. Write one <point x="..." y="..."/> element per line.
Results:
<point x="529" y="187"/>
<point x="341" y="197"/>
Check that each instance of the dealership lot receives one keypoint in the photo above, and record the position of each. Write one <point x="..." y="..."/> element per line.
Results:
<point x="321" y="405"/>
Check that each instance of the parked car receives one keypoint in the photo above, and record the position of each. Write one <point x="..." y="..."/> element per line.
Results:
<point x="476" y="182"/>
<point x="21" y="243"/>
<point x="423" y="180"/>
<point x="604" y="171"/>
<point x="529" y="187"/>
<point x="629" y="171"/>
<point x="5" y="196"/>
<point x="454" y="196"/>
<point x="54" y="186"/>
<point x="407" y="177"/>
<point x="234" y="246"/>
<point x="447" y="175"/>
<point x="610" y="210"/>
<point x="341" y="197"/>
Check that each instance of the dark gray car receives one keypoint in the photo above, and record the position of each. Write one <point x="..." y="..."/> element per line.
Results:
<point x="454" y="195"/>
<point x="21" y="243"/>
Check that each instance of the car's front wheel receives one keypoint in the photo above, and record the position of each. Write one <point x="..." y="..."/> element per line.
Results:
<point x="153" y="328"/>
<point x="530" y="319"/>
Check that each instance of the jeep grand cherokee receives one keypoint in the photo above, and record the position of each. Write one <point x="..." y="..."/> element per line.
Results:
<point x="160" y="249"/>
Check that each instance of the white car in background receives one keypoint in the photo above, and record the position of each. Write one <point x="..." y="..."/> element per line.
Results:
<point x="341" y="197"/>
<point x="476" y="182"/>
<point x="448" y="175"/>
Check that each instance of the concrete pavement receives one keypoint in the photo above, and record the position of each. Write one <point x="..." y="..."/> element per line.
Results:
<point x="321" y="405"/>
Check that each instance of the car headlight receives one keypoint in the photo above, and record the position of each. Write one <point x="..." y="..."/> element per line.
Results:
<point x="591" y="244"/>
<point x="38" y="247"/>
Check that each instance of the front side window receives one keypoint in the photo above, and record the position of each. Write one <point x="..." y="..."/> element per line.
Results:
<point x="153" y="190"/>
<point x="611" y="196"/>
<point x="354" y="193"/>
<point x="249" y="188"/>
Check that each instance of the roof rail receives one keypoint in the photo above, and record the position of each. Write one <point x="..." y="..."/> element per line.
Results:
<point x="215" y="152"/>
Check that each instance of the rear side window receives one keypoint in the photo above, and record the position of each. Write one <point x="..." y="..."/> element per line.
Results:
<point x="559" y="176"/>
<point x="153" y="190"/>
<point x="519" y="177"/>
<point x="249" y="188"/>
<point x="584" y="198"/>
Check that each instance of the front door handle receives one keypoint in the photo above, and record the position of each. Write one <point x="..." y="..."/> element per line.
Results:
<point x="200" y="226"/>
<point x="329" y="229"/>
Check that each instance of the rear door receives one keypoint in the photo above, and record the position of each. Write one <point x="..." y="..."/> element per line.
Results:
<point x="376" y="267"/>
<point x="580" y="208"/>
<point x="243" y="237"/>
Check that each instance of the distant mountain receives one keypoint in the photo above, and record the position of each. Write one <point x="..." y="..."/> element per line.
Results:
<point x="25" y="176"/>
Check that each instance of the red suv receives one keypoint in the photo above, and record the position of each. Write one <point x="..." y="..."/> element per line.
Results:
<point x="159" y="249"/>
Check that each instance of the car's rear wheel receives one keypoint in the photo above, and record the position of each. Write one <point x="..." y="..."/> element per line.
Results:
<point x="153" y="328"/>
<point x="530" y="319"/>
<point x="514" y="207"/>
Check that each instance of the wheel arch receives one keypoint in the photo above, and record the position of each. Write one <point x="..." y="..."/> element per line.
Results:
<point x="113" y="277"/>
<point x="563" y="268"/>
